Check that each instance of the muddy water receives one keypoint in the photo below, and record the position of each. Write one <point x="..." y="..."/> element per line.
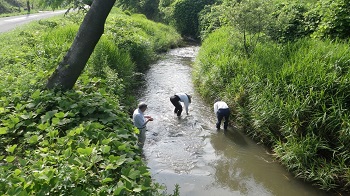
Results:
<point x="190" y="152"/>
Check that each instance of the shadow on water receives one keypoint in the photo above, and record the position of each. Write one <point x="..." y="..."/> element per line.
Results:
<point x="189" y="151"/>
<point x="236" y="136"/>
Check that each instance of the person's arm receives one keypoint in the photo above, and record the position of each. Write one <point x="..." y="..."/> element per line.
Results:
<point x="215" y="107"/>
<point x="149" y="118"/>
<point x="186" y="103"/>
<point x="146" y="121"/>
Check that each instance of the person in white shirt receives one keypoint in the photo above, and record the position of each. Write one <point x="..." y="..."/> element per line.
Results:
<point x="221" y="110"/>
<point x="180" y="97"/>
<point x="140" y="121"/>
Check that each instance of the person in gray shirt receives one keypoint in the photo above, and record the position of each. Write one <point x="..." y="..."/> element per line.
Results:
<point x="140" y="121"/>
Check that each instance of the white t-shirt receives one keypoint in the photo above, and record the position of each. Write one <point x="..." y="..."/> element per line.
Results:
<point x="184" y="98"/>
<point x="219" y="105"/>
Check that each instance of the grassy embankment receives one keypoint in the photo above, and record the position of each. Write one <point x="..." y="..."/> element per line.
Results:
<point x="81" y="142"/>
<point x="293" y="98"/>
<point x="19" y="7"/>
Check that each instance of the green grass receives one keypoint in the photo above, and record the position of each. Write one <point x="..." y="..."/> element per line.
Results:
<point x="292" y="97"/>
<point x="19" y="7"/>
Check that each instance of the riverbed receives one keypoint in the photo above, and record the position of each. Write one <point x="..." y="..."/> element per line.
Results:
<point x="190" y="152"/>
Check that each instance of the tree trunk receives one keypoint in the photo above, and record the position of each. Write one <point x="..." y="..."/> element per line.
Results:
<point x="74" y="62"/>
<point x="28" y="6"/>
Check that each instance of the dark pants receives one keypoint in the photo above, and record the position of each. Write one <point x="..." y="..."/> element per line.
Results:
<point x="220" y="114"/>
<point x="175" y="100"/>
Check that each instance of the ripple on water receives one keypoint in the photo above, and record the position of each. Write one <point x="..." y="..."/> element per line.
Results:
<point x="189" y="151"/>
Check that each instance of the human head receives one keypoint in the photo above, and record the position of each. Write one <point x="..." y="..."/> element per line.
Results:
<point x="217" y="99"/>
<point x="142" y="106"/>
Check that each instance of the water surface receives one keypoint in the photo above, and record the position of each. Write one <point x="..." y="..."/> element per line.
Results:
<point x="189" y="151"/>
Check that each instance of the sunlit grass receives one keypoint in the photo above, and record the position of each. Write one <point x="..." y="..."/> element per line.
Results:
<point x="292" y="97"/>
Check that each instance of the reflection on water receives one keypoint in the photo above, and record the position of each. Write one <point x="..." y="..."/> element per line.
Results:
<point x="190" y="152"/>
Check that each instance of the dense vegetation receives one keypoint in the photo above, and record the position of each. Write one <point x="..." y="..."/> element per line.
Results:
<point x="10" y="6"/>
<point x="293" y="98"/>
<point x="16" y="7"/>
<point x="283" y="67"/>
<point x="81" y="142"/>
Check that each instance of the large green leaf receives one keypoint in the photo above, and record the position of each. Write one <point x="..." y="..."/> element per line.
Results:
<point x="3" y="130"/>
<point x="85" y="151"/>
<point x="12" y="148"/>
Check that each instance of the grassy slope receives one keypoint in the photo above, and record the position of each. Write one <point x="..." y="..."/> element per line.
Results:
<point x="293" y="98"/>
<point x="83" y="141"/>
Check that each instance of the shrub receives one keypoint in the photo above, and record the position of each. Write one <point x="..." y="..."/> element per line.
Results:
<point x="185" y="16"/>
<point x="81" y="142"/>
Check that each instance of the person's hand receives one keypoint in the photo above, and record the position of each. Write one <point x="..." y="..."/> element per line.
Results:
<point x="150" y="119"/>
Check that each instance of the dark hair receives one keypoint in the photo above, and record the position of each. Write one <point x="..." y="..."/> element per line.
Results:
<point x="142" y="105"/>
<point x="217" y="99"/>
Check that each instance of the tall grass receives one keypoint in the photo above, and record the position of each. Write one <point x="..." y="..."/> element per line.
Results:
<point x="116" y="67"/>
<point x="141" y="38"/>
<point x="293" y="97"/>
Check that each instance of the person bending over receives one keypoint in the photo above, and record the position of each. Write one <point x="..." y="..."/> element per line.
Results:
<point x="221" y="111"/>
<point x="176" y="101"/>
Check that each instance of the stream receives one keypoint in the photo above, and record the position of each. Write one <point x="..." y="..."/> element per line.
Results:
<point x="190" y="152"/>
